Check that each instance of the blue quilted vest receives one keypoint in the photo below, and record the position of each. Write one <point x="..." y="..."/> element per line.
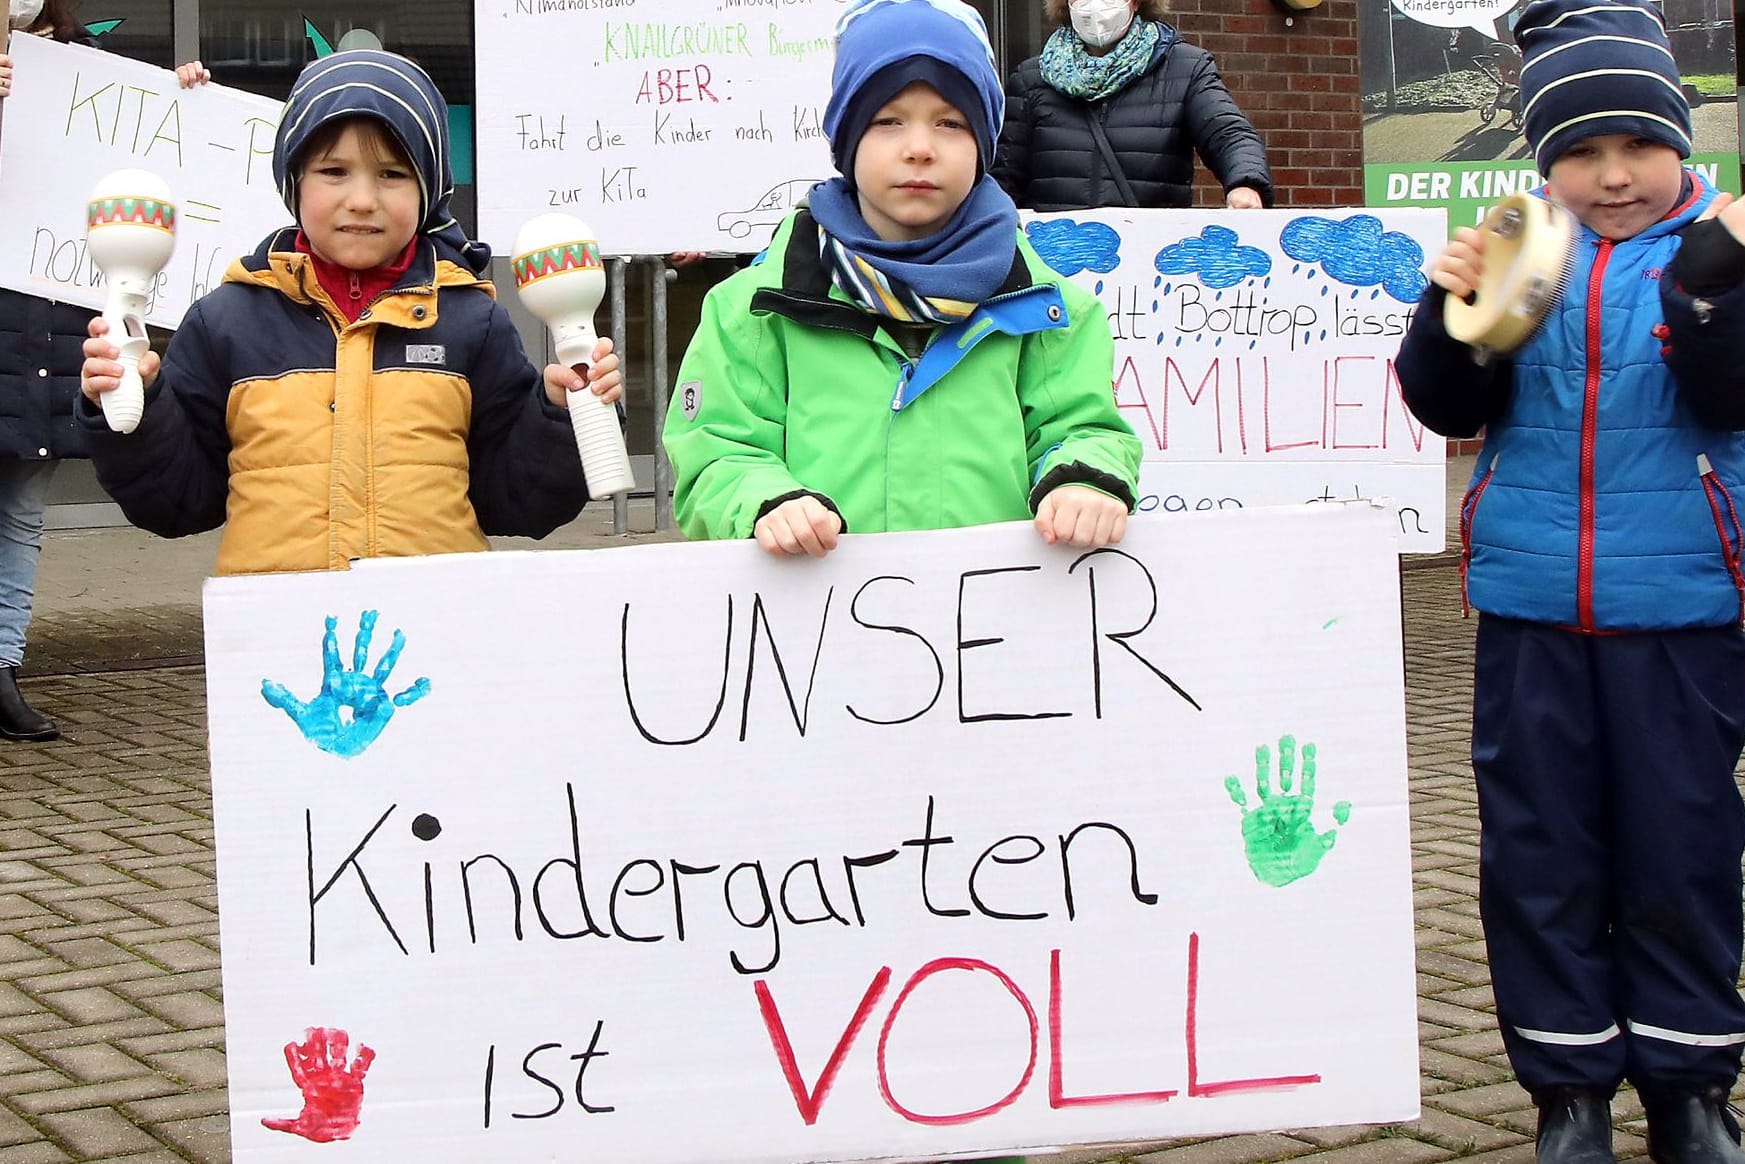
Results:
<point x="1599" y="502"/>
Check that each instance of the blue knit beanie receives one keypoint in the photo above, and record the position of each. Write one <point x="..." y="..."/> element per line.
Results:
<point x="1593" y="67"/>
<point x="882" y="46"/>
<point x="392" y="90"/>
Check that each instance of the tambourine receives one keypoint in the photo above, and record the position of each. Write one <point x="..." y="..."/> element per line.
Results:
<point x="1527" y="255"/>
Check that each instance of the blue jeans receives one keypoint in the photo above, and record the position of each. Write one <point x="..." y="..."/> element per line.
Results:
<point x="23" y="492"/>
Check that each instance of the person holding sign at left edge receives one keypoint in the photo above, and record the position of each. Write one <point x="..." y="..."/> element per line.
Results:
<point x="40" y="354"/>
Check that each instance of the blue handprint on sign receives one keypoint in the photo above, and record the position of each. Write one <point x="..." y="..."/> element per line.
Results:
<point x="352" y="707"/>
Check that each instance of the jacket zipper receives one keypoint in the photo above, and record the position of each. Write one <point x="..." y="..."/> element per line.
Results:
<point x="1468" y="511"/>
<point x="1727" y="525"/>
<point x="903" y="376"/>
<point x="1590" y="414"/>
<point x="354" y="291"/>
<point x="908" y="370"/>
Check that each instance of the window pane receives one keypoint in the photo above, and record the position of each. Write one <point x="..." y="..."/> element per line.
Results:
<point x="1026" y="31"/>
<point x="262" y="46"/>
<point x="140" y="29"/>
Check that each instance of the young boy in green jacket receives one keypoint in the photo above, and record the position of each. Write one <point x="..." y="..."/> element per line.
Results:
<point x="901" y="359"/>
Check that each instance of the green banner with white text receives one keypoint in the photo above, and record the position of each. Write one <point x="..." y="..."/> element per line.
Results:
<point x="1442" y="101"/>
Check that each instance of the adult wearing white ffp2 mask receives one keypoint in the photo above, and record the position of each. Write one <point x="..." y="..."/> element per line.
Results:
<point x="25" y="13"/>
<point x="1099" y="23"/>
<point x="1113" y="112"/>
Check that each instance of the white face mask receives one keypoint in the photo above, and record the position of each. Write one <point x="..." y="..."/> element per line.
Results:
<point x="1100" y="23"/>
<point x="25" y="12"/>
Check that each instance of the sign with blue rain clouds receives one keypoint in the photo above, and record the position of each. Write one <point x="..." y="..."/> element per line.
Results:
<point x="953" y="844"/>
<point x="75" y="115"/>
<point x="1254" y="353"/>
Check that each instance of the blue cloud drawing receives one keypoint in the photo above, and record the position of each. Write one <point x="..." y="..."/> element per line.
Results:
<point x="1070" y="247"/>
<point x="1217" y="256"/>
<point x="1357" y="251"/>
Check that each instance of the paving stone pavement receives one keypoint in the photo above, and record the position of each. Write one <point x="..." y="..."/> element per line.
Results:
<point x="111" y="1021"/>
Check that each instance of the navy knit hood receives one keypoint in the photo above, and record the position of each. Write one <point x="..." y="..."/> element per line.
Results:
<point x="396" y="92"/>
<point x="884" y="45"/>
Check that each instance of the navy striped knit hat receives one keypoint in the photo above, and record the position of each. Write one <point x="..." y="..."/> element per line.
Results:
<point x="392" y="90"/>
<point x="1593" y="67"/>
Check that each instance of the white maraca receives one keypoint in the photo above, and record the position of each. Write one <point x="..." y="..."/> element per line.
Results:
<point x="561" y="279"/>
<point x="130" y="225"/>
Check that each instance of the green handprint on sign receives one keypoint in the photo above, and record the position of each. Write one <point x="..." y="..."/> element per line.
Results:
<point x="1280" y="839"/>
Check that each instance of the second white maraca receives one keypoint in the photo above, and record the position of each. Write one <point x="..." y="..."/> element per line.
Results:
<point x="130" y="230"/>
<point x="560" y="278"/>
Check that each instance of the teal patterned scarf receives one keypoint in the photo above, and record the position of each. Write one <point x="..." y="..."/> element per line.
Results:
<point x="1069" y="67"/>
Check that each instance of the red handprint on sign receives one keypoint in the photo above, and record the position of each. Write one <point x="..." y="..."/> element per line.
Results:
<point x="332" y="1088"/>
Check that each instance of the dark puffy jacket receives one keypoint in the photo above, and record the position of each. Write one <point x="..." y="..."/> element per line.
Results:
<point x="41" y="349"/>
<point x="1048" y="160"/>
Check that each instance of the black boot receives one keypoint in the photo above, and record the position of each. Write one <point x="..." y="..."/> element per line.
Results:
<point x="19" y="720"/>
<point x="1575" y="1127"/>
<point x="1691" y="1127"/>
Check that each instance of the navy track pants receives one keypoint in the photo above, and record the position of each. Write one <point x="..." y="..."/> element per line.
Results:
<point x="1609" y="856"/>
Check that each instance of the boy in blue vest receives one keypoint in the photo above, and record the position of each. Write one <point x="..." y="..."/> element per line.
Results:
<point x="1601" y="543"/>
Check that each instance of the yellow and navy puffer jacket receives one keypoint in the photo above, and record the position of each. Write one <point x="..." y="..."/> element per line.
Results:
<point x="417" y="429"/>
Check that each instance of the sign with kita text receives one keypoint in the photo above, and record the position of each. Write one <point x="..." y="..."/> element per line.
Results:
<point x="1254" y="353"/>
<point x="951" y="844"/>
<point x="76" y="114"/>
<point x="665" y="124"/>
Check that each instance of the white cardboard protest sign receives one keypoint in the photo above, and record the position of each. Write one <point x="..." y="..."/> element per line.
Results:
<point x="678" y="852"/>
<point x="75" y="115"/>
<point x="671" y="124"/>
<point x="1254" y="353"/>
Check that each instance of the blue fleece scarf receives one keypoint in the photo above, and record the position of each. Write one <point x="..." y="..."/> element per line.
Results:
<point x="940" y="278"/>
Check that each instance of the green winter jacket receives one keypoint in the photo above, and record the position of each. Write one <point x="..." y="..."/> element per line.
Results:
<point x="789" y="389"/>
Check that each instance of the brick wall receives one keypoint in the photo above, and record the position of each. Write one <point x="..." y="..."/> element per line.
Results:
<point x="1298" y="83"/>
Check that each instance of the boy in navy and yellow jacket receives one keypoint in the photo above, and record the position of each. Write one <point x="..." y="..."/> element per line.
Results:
<point x="352" y="389"/>
<point x="1601" y="544"/>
